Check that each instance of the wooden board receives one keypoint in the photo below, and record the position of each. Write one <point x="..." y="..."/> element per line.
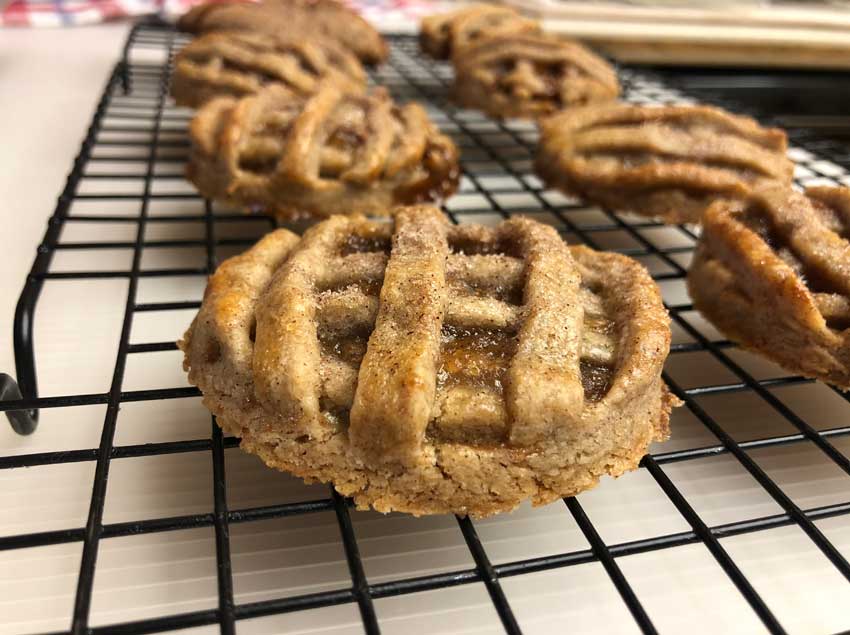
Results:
<point x="794" y="36"/>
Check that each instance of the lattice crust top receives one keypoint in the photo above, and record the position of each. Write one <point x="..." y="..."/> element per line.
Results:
<point x="774" y="274"/>
<point x="670" y="161"/>
<point x="241" y="64"/>
<point x="431" y="368"/>
<point x="302" y="19"/>
<point x="333" y="152"/>
<point x="531" y="75"/>
<point x="444" y="34"/>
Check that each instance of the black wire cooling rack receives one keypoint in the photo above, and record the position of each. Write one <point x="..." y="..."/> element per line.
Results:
<point x="497" y="170"/>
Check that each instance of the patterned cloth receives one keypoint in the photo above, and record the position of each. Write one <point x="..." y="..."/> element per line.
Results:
<point x="76" y="12"/>
<point x="389" y="15"/>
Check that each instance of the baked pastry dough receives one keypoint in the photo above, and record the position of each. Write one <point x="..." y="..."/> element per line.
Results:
<point x="331" y="153"/>
<point x="430" y="368"/>
<point x="292" y="19"/>
<point x="530" y="75"/>
<point x="669" y="162"/>
<point x="241" y="64"/>
<point x="442" y="34"/>
<point x="773" y="274"/>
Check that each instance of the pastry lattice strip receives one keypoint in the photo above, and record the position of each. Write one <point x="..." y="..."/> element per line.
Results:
<point x="446" y="34"/>
<point x="311" y="19"/>
<point x="529" y="66"/>
<point x="673" y="145"/>
<point x="463" y="354"/>
<point x="493" y="305"/>
<point x="329" y="138"/>
<point x="543" y="329"/>
<point x="808" y="233"/>
<point x="242" y="63"/>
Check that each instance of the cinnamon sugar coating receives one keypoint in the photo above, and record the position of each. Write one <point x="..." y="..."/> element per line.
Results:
<point x="430" y="368"/>
<point x="773" y="274"/>
<point x="446" y="34"/>
<point x="531" y="75"/>
<point x="327" y="19"/>
<point x="239" y="64"/>
<point x="669" y="162"/>
<point x="333" y="152"/>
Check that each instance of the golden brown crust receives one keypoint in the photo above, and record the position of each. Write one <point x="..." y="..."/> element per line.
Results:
<point x="373" y="355"/>
<point x="239" y="64"/>
<point x="531" y="75"/>
<point x="292" y="19"/>
<point x="193" y="20"/>
<point x="443" y="34"/>
<point x="330" y="153"/>
<point x="669" y="162"/>
<point x="435" y="34"/>
<point x="773" y="273"/>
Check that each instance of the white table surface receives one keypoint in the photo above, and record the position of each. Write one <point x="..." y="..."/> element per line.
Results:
<point x="49" y="83"/>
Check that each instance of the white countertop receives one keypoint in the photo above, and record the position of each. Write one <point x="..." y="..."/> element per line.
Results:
<point x="50" y="81"/>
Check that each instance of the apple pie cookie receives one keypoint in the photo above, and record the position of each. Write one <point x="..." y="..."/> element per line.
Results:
<point x="442" y="34"/>
<point x="241" y="64"/>
<point x="329" y="153"/>
<point x="430" y="368"/>
<point x="528" y="75"/>
<point x="773" y="274"/>
<point x="668" y="162"/>
<point x="301" y="19"/>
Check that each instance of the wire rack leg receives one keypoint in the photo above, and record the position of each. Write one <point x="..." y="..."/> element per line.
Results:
<point x="23" y="421"/>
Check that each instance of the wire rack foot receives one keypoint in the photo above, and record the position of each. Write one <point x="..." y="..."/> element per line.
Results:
<point x="23" y="421"/>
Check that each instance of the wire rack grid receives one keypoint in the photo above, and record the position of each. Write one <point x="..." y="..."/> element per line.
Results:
<point x="497" y="182"/>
